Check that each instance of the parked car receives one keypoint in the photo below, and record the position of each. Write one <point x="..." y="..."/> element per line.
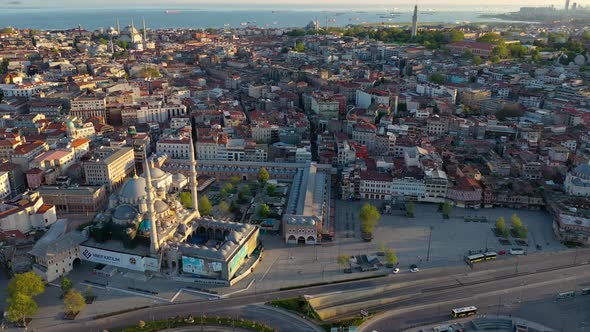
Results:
<point x="414" y="268"/>
<point x="502" y="252"/>
<point x="517" y="251"/>
<point x="395" y="270"/>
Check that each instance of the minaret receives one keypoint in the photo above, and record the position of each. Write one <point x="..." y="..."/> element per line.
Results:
<point x="193" y="177"/>
<point x="415" y="22"/>
<point x="118" y="28"/>
<point x="144" y="31"/>
<point x="154" y="244"/>
<point x="132" y="32"/>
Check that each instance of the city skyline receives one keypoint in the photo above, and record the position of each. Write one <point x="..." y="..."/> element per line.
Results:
<point x="438" y="4"/>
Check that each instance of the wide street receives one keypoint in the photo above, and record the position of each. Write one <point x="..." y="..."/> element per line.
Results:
<point x="504" y="281"/>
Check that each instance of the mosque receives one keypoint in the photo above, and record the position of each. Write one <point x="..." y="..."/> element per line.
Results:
<point x="146" y="229"/>
<point x="136" y="38"/>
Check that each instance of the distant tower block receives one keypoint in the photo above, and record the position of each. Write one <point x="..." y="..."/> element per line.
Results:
<point x="567" y="4"/>
<point x="415" y="22"/>
<point x="574" y="6"/>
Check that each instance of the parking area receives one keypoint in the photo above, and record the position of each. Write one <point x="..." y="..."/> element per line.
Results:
<point x="450" y="239"/>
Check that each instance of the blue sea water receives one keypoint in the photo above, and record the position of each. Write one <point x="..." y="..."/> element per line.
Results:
<point x="156" y="18"/>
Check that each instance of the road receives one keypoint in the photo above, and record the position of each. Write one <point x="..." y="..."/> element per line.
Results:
<point x="450" y="284"/>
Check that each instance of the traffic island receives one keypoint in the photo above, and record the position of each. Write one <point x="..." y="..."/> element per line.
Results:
<point x="199" y="322"/>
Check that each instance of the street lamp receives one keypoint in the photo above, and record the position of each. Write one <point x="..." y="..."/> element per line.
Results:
<point x="429" y="240"/>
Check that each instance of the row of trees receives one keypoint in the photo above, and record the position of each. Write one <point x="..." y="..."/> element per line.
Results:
<point x="517" y="227"/>
<point x="22" y="289"/>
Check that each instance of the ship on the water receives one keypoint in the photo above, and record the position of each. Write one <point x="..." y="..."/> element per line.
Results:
<point x="172" y="12"/>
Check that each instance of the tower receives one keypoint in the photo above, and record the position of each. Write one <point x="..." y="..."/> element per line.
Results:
<point x="118" y="28"/>
<point x="154" y="244"/>
<point x="144" y="30"/>
<point x="193" y="177"/>
<point x="415" y="22"/>
<point x="567" y="4"/>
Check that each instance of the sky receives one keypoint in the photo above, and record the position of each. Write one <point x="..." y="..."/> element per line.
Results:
<point x="286" y="3"/>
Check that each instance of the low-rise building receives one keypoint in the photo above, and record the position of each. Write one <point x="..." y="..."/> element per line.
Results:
<point x="25" y="213"/>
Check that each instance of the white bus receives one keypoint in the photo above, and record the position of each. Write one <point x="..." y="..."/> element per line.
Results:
<point x="464" y="312"/>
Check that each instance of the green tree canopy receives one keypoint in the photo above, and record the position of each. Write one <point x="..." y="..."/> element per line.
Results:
<point x="224" y="207"/>
<point x="369" y="216"/>
<point x="446" y="209"/>
<point x="410" y="209"/>
<point x="20" y="306"/>
<point x="491" y="37"/>
<point x="264" y="211"/>
<point x="263" y="175"/>
<point x="342" y="260"/>
<point x="73" y="301"/>
<point x="477" y="60"/>
<point x="66" y="285"/>
<point x="437" y="78"/>
<point x="235" y="180"/>
<point x="455" y="35"/>
<point x="205" y="206"/>
<point x="299" y="46"/>
<point x="27" y="283"/>
<point x="271" y="190"/>
<point x="186" y="199"/>
<point x="229" y="187"/>
<point x="390" y="257"/>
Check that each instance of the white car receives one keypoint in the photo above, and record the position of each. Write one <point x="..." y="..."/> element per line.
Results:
<point x="414" y="268"/>
<point x="517" y="251"/>
<point x="395" y="271"/>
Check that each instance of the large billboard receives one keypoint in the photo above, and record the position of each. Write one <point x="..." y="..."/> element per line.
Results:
<point x="193" y="265"/>
<point x="118" y="259"/>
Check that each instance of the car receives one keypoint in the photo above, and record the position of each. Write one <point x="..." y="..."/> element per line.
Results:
<point x="502" y="252"/>
<point x="539" y="247"/>
<point x="395" y="271"/>
<point x="414" y="268"/>
<point x="517" y="251"/>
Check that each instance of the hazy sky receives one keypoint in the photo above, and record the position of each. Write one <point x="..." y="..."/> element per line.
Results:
<point x="286" y="3"/>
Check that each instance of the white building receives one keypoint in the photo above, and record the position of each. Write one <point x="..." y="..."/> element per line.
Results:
<point x="25" y="213"/>
<point x="110" y="166"/>
<point x="176" y="147"/>
<point x="365" y="99"/>
<point x="577" y="182"/>
<point x="409" y="187"/>
<point x="56" y="253"/>
<point x="4" y="185"/>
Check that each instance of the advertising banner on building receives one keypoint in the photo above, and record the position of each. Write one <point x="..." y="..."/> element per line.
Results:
<point x="117" y="259"/>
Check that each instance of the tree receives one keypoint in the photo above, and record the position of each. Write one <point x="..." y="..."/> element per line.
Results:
<point x="66" y="285"/>
<point x="74" y="301"/>
<point x="342" y="260"/>
<point x="205" y="206"/>
<point x="224" y="207"/>
<point x="223" y="193"/>
<point x="141" y="324"/>
<point x="235" y="180"/>
<point x="410" y="209"/>
<point x="437" y="78"/>
<point x="369" y="217"/>
<point x="88" y="293"/>
<point x="228" y="187"/>
<point x="477" y="60"/>
<point x="263" y="175"/>
<point x="299" y="46"/>
<point x="271" y="190"/>
<point x="495" y="59"/>
<point x="491" y="37"/>
<point x="264" y="211"/>
<point x="518" y="228"/>
<point x="186" y="199"/>
<point x="455" y="36"/>
<point x="27" y="283"/>
<point x="20" y="306"/>
<point x="390" y="257"/>
<point x="501" y="51"/>
<point x="446" y="210"/>
<point x="501" y="226"/>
